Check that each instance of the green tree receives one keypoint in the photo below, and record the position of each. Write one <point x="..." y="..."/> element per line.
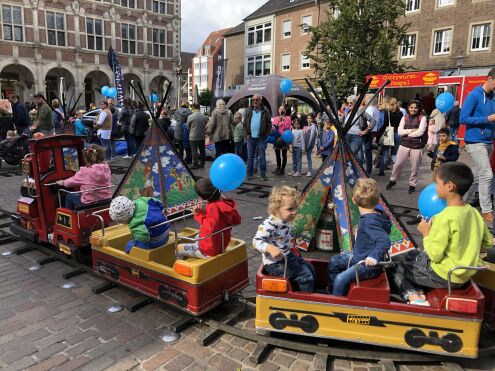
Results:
<point x="204" y="98"/>
<point x="359" y="38"/>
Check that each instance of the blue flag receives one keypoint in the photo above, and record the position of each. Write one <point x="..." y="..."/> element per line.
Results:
<point x="114" y="64"/>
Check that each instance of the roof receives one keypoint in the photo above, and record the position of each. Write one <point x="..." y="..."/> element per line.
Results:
<point x="274" y="6"/>
<point x="236" y="30"/>
<point x="215" y="36"/>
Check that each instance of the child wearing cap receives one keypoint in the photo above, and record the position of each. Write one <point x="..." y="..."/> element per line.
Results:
<point x="145" y="218"/>
<point x="218" y="214"/>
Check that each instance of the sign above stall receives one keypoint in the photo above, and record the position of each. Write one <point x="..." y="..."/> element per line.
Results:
<point x="407" y="79"/>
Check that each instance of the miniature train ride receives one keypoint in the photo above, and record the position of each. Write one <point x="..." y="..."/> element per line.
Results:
<point x="368" y="314"/>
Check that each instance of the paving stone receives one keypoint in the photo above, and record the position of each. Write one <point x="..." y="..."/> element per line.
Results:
<point x="305" y="356"/>
<point x="88" y="313"/>
<point x="109" y="322"/>
<point x="57" y="337"/>
<point x="12" y="328"/>
<point x="300" y="366"/>
<point x="21" y="364"/>
<point x="73" y="364"/>
<point x="27" y="306"/>
<point x="124" y="364"/>
<point x="269" y="366"/>
<point x="17" y="354"/>
<point x="130" y="346"/>
<point x="342" y="363"/>
<point x="223" y="363"/>
<point x="320" y="362"/>
<point x="196" y="366"/>
<point x="149" y="350"/>
<point x="189" y="346"/>
<point x="239" y="342"/>
<point x="283" y="360"/>
<point x="81" y="336"/>
<point x="49" y="363"/>
<point x="98" y="364"/>
<point x="64" y="323"/>
<point x="83" y="347"/>
<point x="120" y="329"/>
<point x="46" y="353"/>
<point x="93" y="321"/>
<point x="159" y="359"/>
<point x="179" y="363"/>
<point x="238" y="354"/>
<point x="221" y="346"/>
<point x="36" y="335"/>
<point x="103" y="348"/>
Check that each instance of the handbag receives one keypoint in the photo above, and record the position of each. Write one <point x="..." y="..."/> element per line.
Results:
<point x="387" y="139"/>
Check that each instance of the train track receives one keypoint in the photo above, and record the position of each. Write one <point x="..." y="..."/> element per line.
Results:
<point x="232" y="318"/>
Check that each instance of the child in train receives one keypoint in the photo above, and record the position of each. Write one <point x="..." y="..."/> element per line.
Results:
<point x="274" y="236"/>
<point x="10" y="139"/>
<point x="452" y="238"/>
<point x="219" y="213"/>
<point x="372" y="242"/>
<point x="95" y="174"/>
<point x="146" y="220"/>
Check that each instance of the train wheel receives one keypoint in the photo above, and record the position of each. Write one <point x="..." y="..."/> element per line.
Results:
<point x="451" y="343"/>
<point x="278" y="320"/>
<point x="164" y="293"/>
<point x="415" y="338"/>
<point x="309" y="324"/>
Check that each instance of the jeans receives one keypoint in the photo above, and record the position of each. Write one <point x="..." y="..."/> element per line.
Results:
<point x="454" y="132"/>
<point x="252" y="145"/>
<point x="386" y="150"/>
<point x="72" y="200"/>
<point x="356" y="144"/>
<point x="297" y="159"/>
<point x="240" y="150"/>
<point x="340" y="276"/>
<point x="146" y="245"/>
<point x="309" y="158"/>
<point x="105" y="143"/>
<point x="131" y="145"/>
<point x="300" y="273"/>
<point x="198" y="145"/>
<point x="368" y="151"/>
<point x="480" y="154"/>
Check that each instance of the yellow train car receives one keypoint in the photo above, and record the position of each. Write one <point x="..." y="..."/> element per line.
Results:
<point x="486" y="282"/>
<point x="451" y="325"/>
<point x="192" y="285"/>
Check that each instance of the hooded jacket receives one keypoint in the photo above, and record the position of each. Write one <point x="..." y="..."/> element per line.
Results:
<point x="474" y="113"/>
<point x="372" y="237"/>
<point x="90" y="177"/>
<point x="217" y="215"/>
<point x="180" y="117"/>
<point x="221" y="125"/>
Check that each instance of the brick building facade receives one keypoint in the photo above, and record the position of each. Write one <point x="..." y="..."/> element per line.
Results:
<point x="46" y="44"/>
<point x="453" y="36"/>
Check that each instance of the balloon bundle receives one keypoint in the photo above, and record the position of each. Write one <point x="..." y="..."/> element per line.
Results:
<point x="445" y="102"/>
<point x="108" y="92"/>
<point x="429" y="203"/>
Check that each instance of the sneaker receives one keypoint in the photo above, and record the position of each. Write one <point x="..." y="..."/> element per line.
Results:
<point x="411" y="189"/>
<point x="390" y="185"/>
<point x="488" y="217"/>
<point x="276" y="171"/>
<point x="291" y="173"/>
<point x="297" y="173"/>
<point x="263" y="178"/>
<point x="126" y="156"/>
<point x="308" y="174"/>
<point x="420" y="302"/>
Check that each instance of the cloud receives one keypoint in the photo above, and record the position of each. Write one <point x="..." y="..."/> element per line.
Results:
<point x="200" y="17"/>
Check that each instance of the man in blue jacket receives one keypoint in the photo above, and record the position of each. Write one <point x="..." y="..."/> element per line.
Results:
<point x="478" y="114"/>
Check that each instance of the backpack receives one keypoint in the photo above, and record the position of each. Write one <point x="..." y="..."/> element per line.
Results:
<point x="273" y="135"/>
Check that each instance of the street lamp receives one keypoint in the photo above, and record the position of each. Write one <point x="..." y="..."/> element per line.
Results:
<point x="459" y="62"/>
<point x="178" y="71"/>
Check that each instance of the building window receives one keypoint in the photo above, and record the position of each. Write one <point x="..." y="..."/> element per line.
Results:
<point x="94" y="33"/>
<point x="196" y="66"/>
<point x="441" y="3"/>
<point x="408" y="48"/>
<point x="159" y="43"/>
<point x="480" y="37"/>
<point x="260" y="34"/>
<point x="128" y="36"/>
<point x="55" y="28"/>
<point x="12" y="23"/>
<point x="163" y="6"/>
<point x="259" y="65"/>
<point x="304" y="62"/>
<point x="442" y="41"/>
<point x="204" y="65"/>
<point x="285" y="62"/>
<point x="128" y="3"/>
<point x="306" y="23"/>
<point x="286" y="28"/>
<point x="412" y="5"/>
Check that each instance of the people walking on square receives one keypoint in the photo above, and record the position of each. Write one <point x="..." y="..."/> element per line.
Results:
<point x="452" y="118"/>
<point x="104" y="126"/>
<point x="43" y="121"/>
<point x="125" y="119"/>
<point x="79" y="128"/>
<point x="282" y="123"/>
<point x="325" y="145"/>
<point x="374" y="112"/>
<point x="20" y="114"/>
<point x="58" y="117"/>
<point x="221" y="128"/>
<point x="478" y="114"/>
<point x="361" y="127"/>
<point x="196" y="124"/>
<point x="239" y="142"/>
<point x="180" y="117"/>
<point x="411" y="129"/>
<point x="298" y="146"/>
<point x="257" y="125"/>
<point x="310" y="138"/>
<point x="392" y="118"/>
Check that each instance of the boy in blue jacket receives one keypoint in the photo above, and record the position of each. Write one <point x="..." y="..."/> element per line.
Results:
<point x="371" y="244"/>
<point x="325" y="143"/>
<point x="478" y="114"/>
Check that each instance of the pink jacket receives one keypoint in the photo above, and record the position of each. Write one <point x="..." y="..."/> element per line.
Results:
<point x="90" y="177"/>
<point x="284" y="124"/>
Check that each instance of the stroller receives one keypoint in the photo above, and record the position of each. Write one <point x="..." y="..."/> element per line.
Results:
<point x="13" y="150"/>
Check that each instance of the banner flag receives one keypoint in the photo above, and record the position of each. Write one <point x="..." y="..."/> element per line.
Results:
<point x="114" y="64"/>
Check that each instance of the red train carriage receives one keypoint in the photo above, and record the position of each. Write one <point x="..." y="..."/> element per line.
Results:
<point x="40" y="217"/>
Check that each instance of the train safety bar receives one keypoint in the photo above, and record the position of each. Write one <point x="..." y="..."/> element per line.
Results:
<point x="77" y="192"/>
<point x="27" y="175"/>
<point x="379" y="264"/>
<point x="451" y="270"/>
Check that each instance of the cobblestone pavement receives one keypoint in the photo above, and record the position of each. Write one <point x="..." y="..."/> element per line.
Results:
<point x="43" y="326"/>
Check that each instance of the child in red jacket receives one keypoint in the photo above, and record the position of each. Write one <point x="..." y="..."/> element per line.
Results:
<point x="218" y="214"/>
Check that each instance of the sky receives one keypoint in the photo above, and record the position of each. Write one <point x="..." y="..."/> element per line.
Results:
<point x="200" y="17"/>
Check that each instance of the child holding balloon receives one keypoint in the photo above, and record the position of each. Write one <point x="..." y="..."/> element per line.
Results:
<point x="297" y="148"/>
<point x="219" y="213"/>
<point x="453" y="237"/>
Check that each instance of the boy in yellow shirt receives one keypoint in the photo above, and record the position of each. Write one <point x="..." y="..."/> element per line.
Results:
<point x="452" y="238"/>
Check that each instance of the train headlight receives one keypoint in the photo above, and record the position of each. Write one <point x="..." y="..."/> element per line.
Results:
<point x="183" y="269"/>
<point x="274" y="285"/>
<point x="96" y="240"/>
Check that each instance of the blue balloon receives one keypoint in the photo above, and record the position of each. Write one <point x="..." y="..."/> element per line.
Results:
<point x="227" y="172"/>
<point x="285" y="86"/>
<point x="428" y="203"/>
<point x="153" y="98"/>
<point x="104" y="90"/>
<point x="445" y="102"/>
<point x="288" y="136"/>
<point x="112" y="93"/>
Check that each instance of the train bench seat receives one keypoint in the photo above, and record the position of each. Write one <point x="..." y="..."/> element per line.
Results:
<point x="469" y="293"/>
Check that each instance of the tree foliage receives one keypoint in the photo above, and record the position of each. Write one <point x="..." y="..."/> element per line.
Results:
<point x="363" y="39"/>
<point x="204" y="98"/>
